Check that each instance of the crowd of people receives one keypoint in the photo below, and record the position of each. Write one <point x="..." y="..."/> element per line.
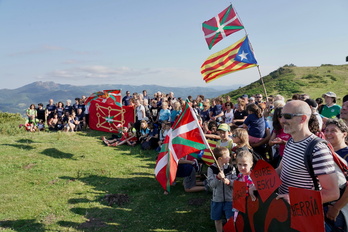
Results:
<point x="57" y="116"/>
<point x="274" y="129"/>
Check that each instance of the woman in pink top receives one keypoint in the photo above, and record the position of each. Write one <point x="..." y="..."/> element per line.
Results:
<point x="278" y="137"/>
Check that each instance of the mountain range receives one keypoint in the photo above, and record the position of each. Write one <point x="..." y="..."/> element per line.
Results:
<point x="286" y="80"/>
<point x="18" y="100"/>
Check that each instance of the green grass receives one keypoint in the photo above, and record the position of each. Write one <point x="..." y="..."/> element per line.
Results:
<point x="58" y="181"/>
<point x="287" y="81"/>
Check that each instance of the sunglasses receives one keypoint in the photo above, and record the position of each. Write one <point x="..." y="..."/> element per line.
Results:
<point x="288" y="116"/>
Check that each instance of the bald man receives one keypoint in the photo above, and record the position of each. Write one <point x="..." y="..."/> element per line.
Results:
<point x="292" y="170"/>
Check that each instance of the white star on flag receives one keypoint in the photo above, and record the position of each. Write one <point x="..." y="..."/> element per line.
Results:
<point x="243" y="55"/>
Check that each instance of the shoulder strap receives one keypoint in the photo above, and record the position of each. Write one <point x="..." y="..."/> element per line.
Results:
<point x="338" y="160"/>
<point x="308" y="157"/>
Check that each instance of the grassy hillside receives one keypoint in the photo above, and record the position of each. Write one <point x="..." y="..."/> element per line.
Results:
<point x="58" y="182"/>
<point x="311" y="80"/>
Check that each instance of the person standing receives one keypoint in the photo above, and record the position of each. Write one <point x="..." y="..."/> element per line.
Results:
<point x="140" y="115"/>
<point x="126" y="99"/>
<point x="292" y="169"/>
<point x="331" y="109"/>
<point x="220" y="179"/>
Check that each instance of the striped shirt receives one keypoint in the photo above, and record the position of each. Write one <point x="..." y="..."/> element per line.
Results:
<point x="294" y="172"/>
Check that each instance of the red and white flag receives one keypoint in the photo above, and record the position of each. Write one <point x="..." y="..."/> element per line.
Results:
<point x="185" y="137"/>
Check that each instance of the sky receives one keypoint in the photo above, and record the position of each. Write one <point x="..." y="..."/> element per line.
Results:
<point x="136" y="42"/>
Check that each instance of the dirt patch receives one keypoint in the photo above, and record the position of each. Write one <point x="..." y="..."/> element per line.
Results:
<point x="53" y="181"/>
<point x="197" y="201"/>
<point x="119" y="199"/>
<point x="28" y="166"/>
<point x="92" y="223"/>
<point x="50" y="219"/>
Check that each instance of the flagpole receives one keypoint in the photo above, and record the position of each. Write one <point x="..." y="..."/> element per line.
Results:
<point x="263" y="84"/>
<point x="251" y="47"/>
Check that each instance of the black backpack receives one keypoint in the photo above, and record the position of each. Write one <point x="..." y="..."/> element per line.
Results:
<point x="309" y="157"/>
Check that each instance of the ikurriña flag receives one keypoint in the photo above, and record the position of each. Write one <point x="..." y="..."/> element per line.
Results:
<point x="236" y="57"/>
<point x="111" y="97"/>
<point x="221" y="26"/>
<point x="185" y="137"/>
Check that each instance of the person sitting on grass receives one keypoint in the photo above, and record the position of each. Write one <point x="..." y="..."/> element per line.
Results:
<point x="30" y="126"/>
<point x="188" y="167"/>
<point x="127" y="137"/>
<point x="52" y="122"/>
<point x="163" y="133"/>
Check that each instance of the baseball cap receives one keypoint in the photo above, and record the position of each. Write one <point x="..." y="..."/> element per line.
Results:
<point x="224" y="127"/>
<point x="311" y="103"/>
<point x="244" y="95"/>
<point x="329" y="94"/>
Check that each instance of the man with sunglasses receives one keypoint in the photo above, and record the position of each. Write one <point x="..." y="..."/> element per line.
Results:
<point x="292" y="170"/>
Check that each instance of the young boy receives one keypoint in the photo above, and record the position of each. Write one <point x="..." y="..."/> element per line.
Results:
<point x="225" y="140"/>
<point x="220" y="179"/>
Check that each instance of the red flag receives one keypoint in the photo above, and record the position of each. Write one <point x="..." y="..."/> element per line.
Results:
<point x="111" y="97"/>
<point x="105" y="117"/>
<point x="185" y="137"/>
<point x="221" y="26"/>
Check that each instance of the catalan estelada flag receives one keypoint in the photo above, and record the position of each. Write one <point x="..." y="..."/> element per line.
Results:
<point x="221" y="26"/>
<point x="236" y="57"/>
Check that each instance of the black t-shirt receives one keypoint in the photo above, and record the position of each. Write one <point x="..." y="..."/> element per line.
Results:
<point x="240" y="115"/>
<point x="41" y="114"/>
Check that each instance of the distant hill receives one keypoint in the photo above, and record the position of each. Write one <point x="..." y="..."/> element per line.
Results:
<point x="17" y="100"/>
<point x="286" y="81"/>
<point x="289" y="80"/>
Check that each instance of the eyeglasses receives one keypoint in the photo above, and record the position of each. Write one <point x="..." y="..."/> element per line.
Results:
<point x="228" y="105"/>
<point x="288" y="116"/>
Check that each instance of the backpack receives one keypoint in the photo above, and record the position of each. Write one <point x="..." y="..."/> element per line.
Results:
<point x="308" y="160"/>
<point x="341" y="165"/>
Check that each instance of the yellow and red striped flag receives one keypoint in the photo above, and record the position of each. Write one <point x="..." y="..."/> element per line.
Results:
<point x="236" y="57"/>
<point x="207" y="156"/>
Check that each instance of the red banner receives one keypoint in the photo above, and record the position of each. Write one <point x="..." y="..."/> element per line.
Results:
<point x="306" y="210"/>
<point x="239" y="195"/>
<point x="105" y="117"/>
<point x="265" y="179"/>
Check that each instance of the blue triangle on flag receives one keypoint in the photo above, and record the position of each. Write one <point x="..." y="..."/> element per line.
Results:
<point x="245" y="53"/>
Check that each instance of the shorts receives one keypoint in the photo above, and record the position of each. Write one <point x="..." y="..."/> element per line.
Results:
<point x="220" y="209"/>
<point x="190" y="181"/>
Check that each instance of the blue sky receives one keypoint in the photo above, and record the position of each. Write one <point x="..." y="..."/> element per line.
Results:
<point x="83" y="42"/>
